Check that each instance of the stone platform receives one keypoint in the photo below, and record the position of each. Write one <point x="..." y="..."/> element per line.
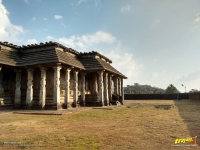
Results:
<point x="59" y="112"/>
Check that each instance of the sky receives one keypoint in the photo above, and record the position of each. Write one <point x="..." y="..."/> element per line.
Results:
<point x="152" y="42"/>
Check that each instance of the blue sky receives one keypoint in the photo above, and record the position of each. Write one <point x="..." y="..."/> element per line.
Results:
<point x="150" y="41"/>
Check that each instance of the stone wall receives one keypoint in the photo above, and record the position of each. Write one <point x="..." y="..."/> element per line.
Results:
<point x="155" y="96"/>
<point x="195" y="96"/>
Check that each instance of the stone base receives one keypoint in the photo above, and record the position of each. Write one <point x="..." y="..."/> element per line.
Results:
<point x="106" y="103"/>
<point x="17" y="106"/>
<point x="82" y="104"/>
<point x="66" y="106"/>
<point x="6" y="107"/>
<point x="56" y="107"/>
<point x="77" y="104"/>
<point x="38" y="107"/>
<point x="26" y="107"/>
<point x="100" y="104"/>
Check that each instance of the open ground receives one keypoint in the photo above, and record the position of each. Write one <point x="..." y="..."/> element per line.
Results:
<point x="139" y="125"/>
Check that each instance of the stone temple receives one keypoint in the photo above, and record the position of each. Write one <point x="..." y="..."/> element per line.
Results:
<point x="52" y="76"/>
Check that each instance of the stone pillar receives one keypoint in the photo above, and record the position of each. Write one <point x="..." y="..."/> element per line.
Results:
<point x="1" y="82"/>
<point x="119" y="86"/>
<point x="116" y="85"/>
<point x="42" y="96"/>
<point x="67" y="87"/>
<point x="29" y="93"/>
<point x="56" y="90"/>
<point x="75" y="102"/>
<point x="110" y="87"/>
<point x="18" y="88"/>
<point x="122" y="89"/>
<point x="95" y="83"/>
<point x="83" y="88"/>
<point x="100" y="93"/>
<point x="106" y="98"/>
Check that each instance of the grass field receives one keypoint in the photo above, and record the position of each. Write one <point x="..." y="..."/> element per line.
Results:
<point x="140" y="126"/>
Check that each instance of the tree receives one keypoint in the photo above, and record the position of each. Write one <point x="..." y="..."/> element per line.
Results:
<point x="171" y="89"/>
<point x="193" y="91"/>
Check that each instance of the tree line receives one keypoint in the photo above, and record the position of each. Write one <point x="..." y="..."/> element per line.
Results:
<point x="147" y="89"/>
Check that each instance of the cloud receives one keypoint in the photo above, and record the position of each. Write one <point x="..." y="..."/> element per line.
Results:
<point x="63" y="25"/>
<point x="155" y="74"/>
<point x="45" y="19"/>
<point x="154" y="61"/>
<point x="80" y="1"/>
<point x="33" y="19"/>
<point x="156" y="21"/>
<point x="8" y="31"/>
<point x="31" y="41"/>
<point x="126" y="65"/>
<point x="191" y="76"/>
<point x="97" y="3"/>
<point x="164" y="71"/>
<point x="85" y="41"/>
<point x="26" y="1"/>
<point x="197" y="18"/>
<point x="90" y="3"/>
<point x="126" y="8"/>
<point x="58" y="17"/>
<point x="190" y="80"/>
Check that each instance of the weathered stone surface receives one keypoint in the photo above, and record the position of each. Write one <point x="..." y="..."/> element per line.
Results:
<point x="18" y="88"/>
<point x="67" y="87"/>
<point x="29" y="93"/>
<point x="95" y="87"/>
<point x="56" y="91"/>
<point x="1" y="81"/>
<point x="100" y="83"/>
<point x="122" y="89"/>
<point x="42" y="96"/>
<point x="75" y="102"/>
<point x="110" y="86"/>
<point x="116" y="85"/>
<point x="83" y="88"/>
<point x="105" y="79"/>
<point x="119" y="86"/>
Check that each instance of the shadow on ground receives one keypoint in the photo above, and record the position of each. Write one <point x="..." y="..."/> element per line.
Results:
<point x="189" y="111"/>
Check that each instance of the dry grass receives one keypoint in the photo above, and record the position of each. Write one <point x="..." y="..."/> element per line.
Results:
<point x="137" y="127"/>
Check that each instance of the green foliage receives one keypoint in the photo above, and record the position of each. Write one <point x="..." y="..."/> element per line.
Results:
<point x="193" y="91"/>
<point x="171" y="89"/>
<point x="142" y="89"/>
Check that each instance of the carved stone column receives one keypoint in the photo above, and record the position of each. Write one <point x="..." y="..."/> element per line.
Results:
<point x="67" y="87"/>
<point x="110" y="87"/>
<point x="83" y="88"/>
<point x="100" y="83"/>
<point x="1" y="81"/>
<point x="116" y="85"/>
<point x="122" y="89"/>
<point x="18" y="88"/>
<point x="75" y="102"/>
<point x="29" y="93"/>
<point x="119" y="86"/>
<point x="42" y="96"/>
<point x="95" y="84"/>
<point x="106" y="98"/>
<point x="56" y="90"/>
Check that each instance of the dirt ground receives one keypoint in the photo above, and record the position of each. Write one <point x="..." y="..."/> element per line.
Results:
<point x="140" y="125"/>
